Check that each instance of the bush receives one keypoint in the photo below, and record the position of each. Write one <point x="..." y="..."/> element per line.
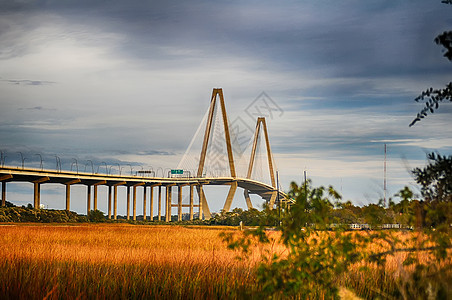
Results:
<point x="96" y="216"/>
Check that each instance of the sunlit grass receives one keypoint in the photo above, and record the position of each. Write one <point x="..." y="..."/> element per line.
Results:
<point x="111" y="261"/>
<point x="118" y="261"/>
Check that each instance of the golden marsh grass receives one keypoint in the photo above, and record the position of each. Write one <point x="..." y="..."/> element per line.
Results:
<point x="122" y="261"/>
<point x="118" y="261"/>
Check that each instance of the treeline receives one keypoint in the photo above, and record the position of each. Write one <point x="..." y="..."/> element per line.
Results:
<point x="12" y="213"/>
<point x="325" y="203"/>
<point x="409" y="213"/>
<point x="406" y="213"/>
<point x="25" y="214"/>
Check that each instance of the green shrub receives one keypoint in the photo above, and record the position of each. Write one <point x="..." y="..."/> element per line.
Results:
<point x="96" y="216"/>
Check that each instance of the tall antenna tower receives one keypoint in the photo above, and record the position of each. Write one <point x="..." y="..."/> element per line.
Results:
<point x="384" y="183"/>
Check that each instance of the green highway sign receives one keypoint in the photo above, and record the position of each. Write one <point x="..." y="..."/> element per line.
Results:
<point x="177" y="171"/>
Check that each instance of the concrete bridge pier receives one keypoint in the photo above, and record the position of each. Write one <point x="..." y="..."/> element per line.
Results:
<point x="168" y="202"/>
<point x="3" y="179"/>
<point x="151" y="203"/>
<point x="94" y="197"/>
<point x="151" y="210"/>
<point x="246" y="194"/>
<point x="273" y="198"/>
<point x="68" y="197"/>
<point x="109" y="202"/>
<point x="144" y="202"/>
<point x="201" y="199"/>
<point x="204" y="210"/>
<point x="128" y="202"/>
<point x="191" y="202"/>
<point x="134" y="200"/>
<point x="160" y="203"/>
<point x="115" y="198"/>
<point x="230" y="197"/>
<point x="115" y="201"/>
<point x="36" y="195"/>
<point x="3" y="193"/>
<point x="37" y="191"/>
<point x="88" y="199"/>
<point x="179" y="202"/>
<point x="95" y="192"/>
<point x="134" y="203"/>
<point x="68" y="192"/>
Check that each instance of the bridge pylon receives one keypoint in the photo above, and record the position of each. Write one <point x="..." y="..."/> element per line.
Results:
<point x="261" y="124"/>
<point x="217" y="99"/>
<point x="207" y="135"/>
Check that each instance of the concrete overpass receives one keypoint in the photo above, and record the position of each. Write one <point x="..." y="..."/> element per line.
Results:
<point x="93" y="180"/>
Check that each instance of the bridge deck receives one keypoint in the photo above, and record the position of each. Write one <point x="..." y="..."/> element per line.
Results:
<point x="11" y="174"/>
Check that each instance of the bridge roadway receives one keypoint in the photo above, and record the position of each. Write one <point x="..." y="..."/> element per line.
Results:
<point x="69" y="178"/>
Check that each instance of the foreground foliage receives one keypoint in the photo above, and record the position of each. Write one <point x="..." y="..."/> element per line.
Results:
<point x="433" y="97"/>
<point x="436" y="178"/>
<point x="321" y="258"/>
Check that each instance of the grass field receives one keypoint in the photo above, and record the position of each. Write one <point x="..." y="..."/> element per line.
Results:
<point x="118" y="261"/>
<point x="121" y="261"/>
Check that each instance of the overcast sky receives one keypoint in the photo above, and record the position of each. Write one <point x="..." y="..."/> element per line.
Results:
<point x="129" y="82"/>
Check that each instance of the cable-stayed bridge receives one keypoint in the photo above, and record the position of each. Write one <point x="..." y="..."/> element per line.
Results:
<point x="215" y="157"/>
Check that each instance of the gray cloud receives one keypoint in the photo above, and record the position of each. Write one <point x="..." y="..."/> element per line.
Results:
<point x="37" y="108"/>
<point x="29" y="82"/>
<point x="134" y="77"/>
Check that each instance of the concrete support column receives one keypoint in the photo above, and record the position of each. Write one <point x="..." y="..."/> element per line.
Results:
<point x="3" y="180"/>
<point x="230" y="197"/>
<point x="179" y="203"/>
<point x="160" y="203"/>
<point x="203" y="205"/>
<point x="95" y="192"/>
<point x="37" y="195"/>
<point x="68" y="197"/>
<point x="200" y="194"/>
<point x="109" y="202"/>
<point x="134" y="203"/>
<point x="191" y="202"/>
<point x="168" y="203"/>
<point x="144" y="202"/>
<point x="115" y="202"/>
<point x="95" y="197"/>
<point x="151" y="204"/>
<point x="37" y="191"/>
<point x="249" y="204"/>
<point x="3" y="193"/>
<point x="88" y="199"/>
<point x="68" y="192"/>
<point x="272" y="199"/>
<point x="128" y="202"/>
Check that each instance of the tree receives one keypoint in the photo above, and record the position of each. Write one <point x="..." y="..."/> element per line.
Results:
<point x="436" y="178"/>
<point x="433" y="97"/>
<point x="318" y="201"/>
<point x="403" y="210"/>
